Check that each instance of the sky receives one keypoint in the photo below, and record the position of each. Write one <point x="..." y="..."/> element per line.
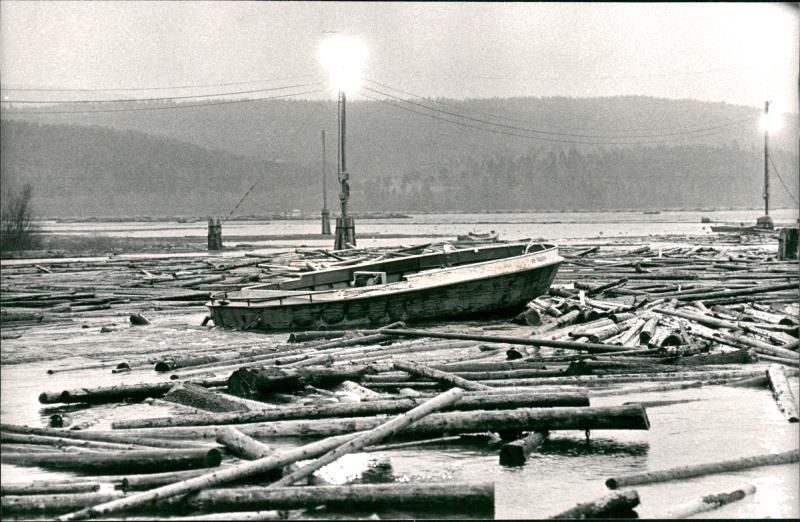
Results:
<point x="739" y="53"/>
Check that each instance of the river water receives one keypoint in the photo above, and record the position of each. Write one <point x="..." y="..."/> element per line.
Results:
<point x="722" y="423"/>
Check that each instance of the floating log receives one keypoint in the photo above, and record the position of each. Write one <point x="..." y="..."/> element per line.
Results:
<point x="138" y="320"/>
<point x="631" y="417"/>
<point x="241" y="445"/>
<point x="375" y="435"/>
<point x="760" y="381"/>
<point x="117" y="393"/>
<point x="438" y="375"/>
<point x="99" y="437"/>
<point x="173" y="364"/>
<point x="615" y="505"/>
<point x="130" y="461"/>
<point x="27" y="505"/>
<point x="474" y="401"/>
<point x="468" y="495"/>
<point x="196" y="396"/>
<point x="709" y="502"/>
<point x="529" y="341"/>
<point x="780" y="360"/>
<point x="229" y="516"/>
<point x="469" y="366"/>
<point x="233" y="473"/>
<point x="742" y="356"/>
<point x="255" y="382"/>
<point x="782" y="392"/>
<point x="740" y="292"/>
<point x="47" y="488"/>
<point x="152" y="480"/>
<point x="515" y="453"/>
<point x="301" y="337"/>
<point x="697" y="470"/>
<point x="24" y="438"/>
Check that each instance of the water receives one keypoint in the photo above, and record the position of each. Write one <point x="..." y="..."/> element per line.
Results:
<point x="725" y="423"/>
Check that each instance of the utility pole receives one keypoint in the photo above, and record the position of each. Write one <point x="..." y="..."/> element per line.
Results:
<point x="345" y="225"/>
<point x="765" y="221"/>
<point x="326" y="216"/>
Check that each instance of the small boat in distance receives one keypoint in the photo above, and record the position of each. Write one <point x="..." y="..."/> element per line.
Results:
<point x="454" y="284"/>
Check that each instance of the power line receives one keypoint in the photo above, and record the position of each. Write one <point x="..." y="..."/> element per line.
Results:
<point x="506" y="133"/>
<point x="506" y="118"/>
<point x="128" y="89"/>
<point x="166" y="98"/>
<point x="579" y="77"/>
<point x="538" y="131"/>
<point x="166" y="107"/>
<point x="778" y="174"/>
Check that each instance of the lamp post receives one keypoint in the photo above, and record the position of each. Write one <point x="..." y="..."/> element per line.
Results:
<point x="765" y="221"/>
<point x="343" y="57"/>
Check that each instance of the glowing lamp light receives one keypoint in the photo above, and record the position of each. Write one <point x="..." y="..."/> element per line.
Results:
<point x="344" y="58"/>
<point x="771" y="122"/>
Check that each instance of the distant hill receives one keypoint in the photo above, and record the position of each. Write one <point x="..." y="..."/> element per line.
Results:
<point x="202" y="160"/>
<point x="91" y="171"/>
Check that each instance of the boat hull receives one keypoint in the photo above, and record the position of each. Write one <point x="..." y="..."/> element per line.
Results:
<point x="502" y="293"/>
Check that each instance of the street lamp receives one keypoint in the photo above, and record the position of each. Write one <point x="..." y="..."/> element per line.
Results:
<point x="343" y="57"/>
<point x="769" y="122"/>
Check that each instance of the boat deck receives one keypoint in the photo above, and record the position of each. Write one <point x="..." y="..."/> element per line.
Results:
<point x="426" y="279"/>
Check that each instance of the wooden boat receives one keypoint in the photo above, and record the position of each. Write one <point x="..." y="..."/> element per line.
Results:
<point x="477" y="281"/>
<point x="741" y="229"/>
<point x="477" y="237"/>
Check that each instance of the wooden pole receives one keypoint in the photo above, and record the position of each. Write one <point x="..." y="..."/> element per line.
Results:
<point x="782" y="392"/>
<point x="195" y="396"/>
<point x="376" y="435"/>
<point x="697" y="470"/>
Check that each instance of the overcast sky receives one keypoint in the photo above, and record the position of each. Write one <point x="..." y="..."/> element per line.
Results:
<point x="736" y="53"/>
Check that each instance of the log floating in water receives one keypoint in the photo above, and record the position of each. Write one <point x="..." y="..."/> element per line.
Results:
<point x="47" y="488"/>
<point x="99" y="437"/>
<point x="515" y="453"/>
<point x="21" y="505"/>
<point x="528" y="341"/>
<point x="697" y="470"/>
<point x="709" y="502"/>
<point x="233" y="473"/>
<point x="469" y="495"/>
<point x="252" y="382"/>
<point x="424" y="371"/>
<point x="782" y="392"/>
<point x="631" y="417"/>
<point x="196" y="396"/>
<point x="375" y="435"/>
<point x="130" y="461"/>
<point x="615" y="505"/>
<point x="117" y="393"/>
<point x="474" y="401"/>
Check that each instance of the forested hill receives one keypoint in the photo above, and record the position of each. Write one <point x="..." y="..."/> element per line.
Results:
<point x="202" y="160"/>
<point x="391" y="138"/>
<point x="94" y="171"/>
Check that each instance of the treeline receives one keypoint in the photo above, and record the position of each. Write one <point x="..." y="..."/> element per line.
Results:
<point x="386" y="140"/>
<point x="659" y="177"/>
<point x="94" y="171"/>
<point x="88" y="171"/>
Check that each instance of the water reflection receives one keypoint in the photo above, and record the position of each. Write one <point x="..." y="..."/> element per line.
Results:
<point x="582" y="447"/>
